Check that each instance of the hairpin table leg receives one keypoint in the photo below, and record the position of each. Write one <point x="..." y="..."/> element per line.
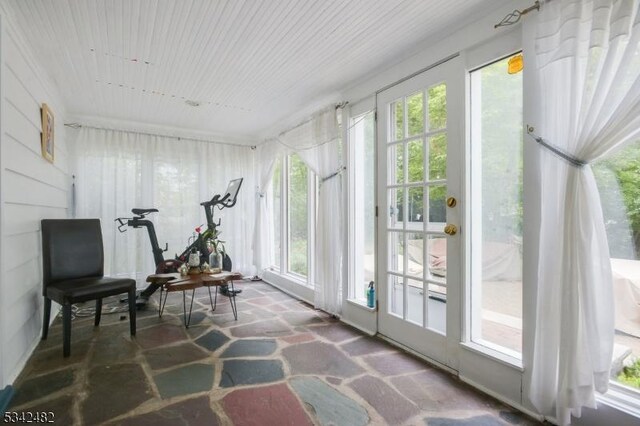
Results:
<point x="232" y="300"/>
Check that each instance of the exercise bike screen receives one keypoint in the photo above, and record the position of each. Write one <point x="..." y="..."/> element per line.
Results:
<point x="233" y="189"/>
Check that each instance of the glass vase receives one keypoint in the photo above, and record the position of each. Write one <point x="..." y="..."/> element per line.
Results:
<point x="215" y="262"/>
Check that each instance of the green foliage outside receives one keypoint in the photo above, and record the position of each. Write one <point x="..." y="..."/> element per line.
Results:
<point x="618" y="178"/>
<point x="436" y="149"/>
<point x="277" y="189"/>
<point x="298" y="257"/>
<point x="298" y="215"/>
<point x="631" y="375"/>
<point x="501" y="135"/>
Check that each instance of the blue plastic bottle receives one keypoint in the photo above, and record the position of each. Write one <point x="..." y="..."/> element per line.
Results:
<point x="371" y="295"/>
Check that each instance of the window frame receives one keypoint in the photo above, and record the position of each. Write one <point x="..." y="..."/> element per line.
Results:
<point x="356" y="114"/>
<point x="282" y="268"/>
<point x="277" y="266"/>
<point x="474" y="336"/>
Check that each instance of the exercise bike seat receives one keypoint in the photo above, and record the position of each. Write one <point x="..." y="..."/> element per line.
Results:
<point x="142" y="212"/>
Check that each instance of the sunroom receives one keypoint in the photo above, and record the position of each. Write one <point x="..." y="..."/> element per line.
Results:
<point x="338" y="212"/>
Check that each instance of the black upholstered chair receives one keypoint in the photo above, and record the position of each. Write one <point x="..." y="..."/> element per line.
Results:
<point x="72" y="272"/>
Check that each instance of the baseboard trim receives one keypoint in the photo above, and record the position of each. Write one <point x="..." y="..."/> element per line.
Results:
<point x="504" y="400"/>
<point x="286" y="291"/>
<point x="418" y="354"/>
<point x="357" y="327"/>
<point x="6" y="395"/>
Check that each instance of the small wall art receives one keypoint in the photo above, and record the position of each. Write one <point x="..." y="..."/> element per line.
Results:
<point x="47" y="133"/>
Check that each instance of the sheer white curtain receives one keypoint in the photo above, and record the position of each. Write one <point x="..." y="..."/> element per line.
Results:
<point x="326" y="162"/>
<point x="317" y="142"/>
<point x="118" y="171"/>
<point x="587" y="66"/>
<point x="267" y="155"/>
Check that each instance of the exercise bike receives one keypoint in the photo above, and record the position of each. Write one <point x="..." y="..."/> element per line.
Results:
<point x="199" y="243"/>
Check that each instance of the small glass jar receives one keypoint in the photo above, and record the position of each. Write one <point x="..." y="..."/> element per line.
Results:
<point x="215" y="262"/>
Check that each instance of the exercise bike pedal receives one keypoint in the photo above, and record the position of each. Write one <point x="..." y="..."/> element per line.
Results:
<point x="141" y="301"/>
<point x="229" y="293"/>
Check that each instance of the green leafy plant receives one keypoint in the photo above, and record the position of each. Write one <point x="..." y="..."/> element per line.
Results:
<point x="217" y="243"/>
<point x="630" y="375"/>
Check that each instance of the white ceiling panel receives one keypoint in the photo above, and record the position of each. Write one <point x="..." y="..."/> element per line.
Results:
<point x="247" y="64"/>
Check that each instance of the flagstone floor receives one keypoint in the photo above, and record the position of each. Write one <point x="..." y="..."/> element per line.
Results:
<point x="280" y="363"/>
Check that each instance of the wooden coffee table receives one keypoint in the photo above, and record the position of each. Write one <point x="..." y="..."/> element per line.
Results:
<point x="173" y="282"/>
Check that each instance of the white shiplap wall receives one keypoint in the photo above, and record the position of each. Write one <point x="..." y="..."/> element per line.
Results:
<point x="30" y="189"/>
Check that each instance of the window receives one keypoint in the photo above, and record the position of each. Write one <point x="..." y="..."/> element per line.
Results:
<point x="496" y="207"/>
<point x="277" y="213"/>
<point x="618" y="179"/>
<point x="293" y="196"/>
<point x="298" y="216"/>
<point x="362" y="224"/>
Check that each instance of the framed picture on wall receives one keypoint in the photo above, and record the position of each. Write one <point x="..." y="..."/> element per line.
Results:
<point x="47" y="133"/>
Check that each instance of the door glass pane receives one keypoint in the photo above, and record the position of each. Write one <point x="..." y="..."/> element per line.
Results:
<point x="415" y="160"/>
<point x="438" y="157"/>
<point x="396" y="210"/>
<point x="395" y="297"/>
<point x="415" y="255"/>
<point x="415" y="301"/>
<point x="397" y="118"/>
<point x="437" y="107"/>
<point x="396" y="252"/>
<point x="415" y="114"/>
<point x="437" y="258"/>
<point x="618" y="179"/>
<point x="496" y="186"/>
<point x="277" y="202"/>
<point x="415" y="207"/>
<point x="298" y="215"/>
<point x="437" y="207"/>
<point x="396" y="164"/>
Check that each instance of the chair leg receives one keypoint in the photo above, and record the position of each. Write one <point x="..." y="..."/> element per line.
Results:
<point x="132" y="311"/>
<point x="66" y="329"/>
<point x="98" y="312"/>
<point x="46" y="317"/>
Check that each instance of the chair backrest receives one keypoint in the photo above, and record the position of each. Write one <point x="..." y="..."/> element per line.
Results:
<point x="71" y="248"/>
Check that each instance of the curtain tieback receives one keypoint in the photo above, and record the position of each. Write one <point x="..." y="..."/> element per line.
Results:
<point x="334" y="174"/>
<point x="574" y="161"/>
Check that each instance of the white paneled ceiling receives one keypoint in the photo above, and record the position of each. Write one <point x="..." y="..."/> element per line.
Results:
<point x="246" y="64"/>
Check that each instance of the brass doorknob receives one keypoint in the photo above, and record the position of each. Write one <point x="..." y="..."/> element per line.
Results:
<point x="451" y="202"/>
<point x="450" y="229"/>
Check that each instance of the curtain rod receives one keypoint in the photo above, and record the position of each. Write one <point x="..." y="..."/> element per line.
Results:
<point x="302" y="123"/>
<point x="420" y="71"/>
<point x="78" y="126"/>
<point x="514" y="17"/>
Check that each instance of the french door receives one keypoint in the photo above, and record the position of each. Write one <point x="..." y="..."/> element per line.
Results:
<point x="420" y="246"/>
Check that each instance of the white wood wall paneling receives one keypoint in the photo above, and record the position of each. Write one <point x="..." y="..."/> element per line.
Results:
<point x="22" y="339"/>
<point x="20" y="249"/>
<point x="22" y="311"/>
<point x="29" y="274"/>
<point x="22" y="189"/>
<point x="30" y="165"/>
<point x="32" y="189"/>
<point x="21" y="219"/>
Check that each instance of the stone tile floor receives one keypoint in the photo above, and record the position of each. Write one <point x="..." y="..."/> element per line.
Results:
<point x="280" y="363"/>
